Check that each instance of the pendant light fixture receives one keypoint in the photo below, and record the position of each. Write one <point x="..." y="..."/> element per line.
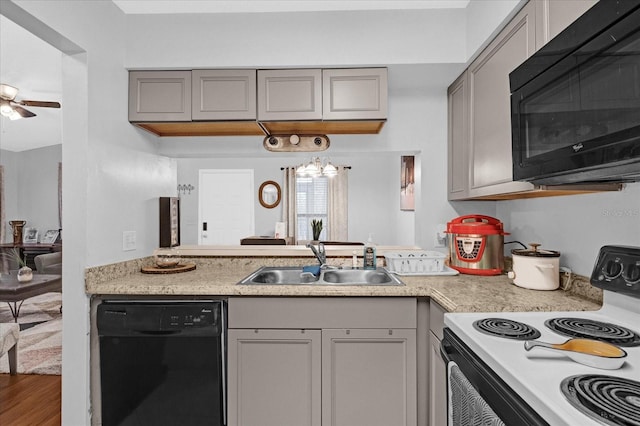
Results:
<point x="315" y="168"/>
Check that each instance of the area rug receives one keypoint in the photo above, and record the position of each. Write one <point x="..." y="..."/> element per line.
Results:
<point x="40" y="344"/>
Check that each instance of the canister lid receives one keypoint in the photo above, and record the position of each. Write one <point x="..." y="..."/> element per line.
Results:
<point x="476" y="224"/>
<point x="534" y="251"/>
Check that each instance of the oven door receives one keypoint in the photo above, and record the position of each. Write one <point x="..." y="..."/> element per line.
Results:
<point x="476" y="395"/>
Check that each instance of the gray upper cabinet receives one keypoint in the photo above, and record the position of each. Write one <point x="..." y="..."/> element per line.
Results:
<point x="354" y="94"/>
<point x="458" y="134"/>
<point x="479" y="105"/>
<point x="159" y="96"/>
<point x="490" y="107"/>
<point x="290" y="94"/>
<point x="556" y="15"/>
<point x="223" y="95"/>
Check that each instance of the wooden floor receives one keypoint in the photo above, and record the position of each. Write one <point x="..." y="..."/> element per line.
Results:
<point x="28" y="399"/>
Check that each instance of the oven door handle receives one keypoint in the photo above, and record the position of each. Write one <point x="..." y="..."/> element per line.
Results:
<point x="445" y="350"/>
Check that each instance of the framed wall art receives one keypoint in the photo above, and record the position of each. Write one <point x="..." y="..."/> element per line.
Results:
<point x="407" y="182"/>
<point x="169" y="221"/>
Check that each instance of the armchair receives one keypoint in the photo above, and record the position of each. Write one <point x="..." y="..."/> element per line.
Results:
<point x="49" y="263"/>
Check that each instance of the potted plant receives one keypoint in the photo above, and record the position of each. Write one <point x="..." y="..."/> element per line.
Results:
<point x="24" y="273"/>
<point x="316" y="228"/>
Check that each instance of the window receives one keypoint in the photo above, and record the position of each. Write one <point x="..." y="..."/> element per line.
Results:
<point x="312" y="201"/>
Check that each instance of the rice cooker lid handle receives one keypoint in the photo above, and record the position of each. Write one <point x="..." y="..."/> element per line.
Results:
<point x="534" y="252"/>
<point x="476" y="224"/>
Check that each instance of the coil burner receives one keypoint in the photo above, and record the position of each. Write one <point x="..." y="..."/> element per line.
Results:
<point x="611" y="400"/>
<point x="590" y="329"/>
<point x="508" y="329"/>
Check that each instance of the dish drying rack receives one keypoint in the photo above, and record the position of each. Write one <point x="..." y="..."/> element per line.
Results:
<point x="418" y="262"/>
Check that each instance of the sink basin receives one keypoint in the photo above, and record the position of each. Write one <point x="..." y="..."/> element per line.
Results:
<point x="293" y="275"/>
<point x="287" y="276"/>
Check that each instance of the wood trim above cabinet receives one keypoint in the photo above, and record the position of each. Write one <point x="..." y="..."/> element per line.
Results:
<point x="203" y="128"/>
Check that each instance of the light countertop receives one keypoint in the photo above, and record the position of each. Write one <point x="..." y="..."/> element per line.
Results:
<point x="217" y="276"/>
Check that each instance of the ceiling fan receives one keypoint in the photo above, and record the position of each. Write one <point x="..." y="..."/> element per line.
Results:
<point x="12" y="108"/>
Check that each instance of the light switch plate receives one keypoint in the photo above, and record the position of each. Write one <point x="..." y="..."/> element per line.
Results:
<point x="128" y="240"/>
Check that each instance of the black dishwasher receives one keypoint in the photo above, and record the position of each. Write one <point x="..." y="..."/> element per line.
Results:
<point x="162" y="362"/>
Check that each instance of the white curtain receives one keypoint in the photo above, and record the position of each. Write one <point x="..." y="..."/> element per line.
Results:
<point x="289" y="203"/>
<point x="338" y="206"/>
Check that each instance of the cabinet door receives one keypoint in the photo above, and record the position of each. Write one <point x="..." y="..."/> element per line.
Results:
<point x="437" y="368"/>
<point x="224" y="95"/>
<point x="274" y="377"/>
<point x="458" y="133"/>
<point x="437" y="384"/>
<point x="369" y="377"/>
<point x="491" y="169"/>
<point x="290" y="94"/>
<point x="354" y="94"/>
<point x="159" y="96"/>
<point x="553" y="16"/>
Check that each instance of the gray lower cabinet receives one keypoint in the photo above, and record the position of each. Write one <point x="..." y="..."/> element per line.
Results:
<point x="274" y="377"/>
<point x="159" y="96"/>
<point x="322" y="361"/>
<point x="437" y="368"/>
<point x="368" y="377"/>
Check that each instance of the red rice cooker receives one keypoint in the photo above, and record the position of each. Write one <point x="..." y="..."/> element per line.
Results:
<point x="476" y="245"/>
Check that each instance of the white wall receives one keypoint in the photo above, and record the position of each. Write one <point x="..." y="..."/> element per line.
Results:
<point x="576" y="225"/>
<point x="297" y="39"/>
<point x="31" y="187"/>
<point x="111" y="174"/>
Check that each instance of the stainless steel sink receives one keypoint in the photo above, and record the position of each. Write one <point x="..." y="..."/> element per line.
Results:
<point x="293" y="275"/>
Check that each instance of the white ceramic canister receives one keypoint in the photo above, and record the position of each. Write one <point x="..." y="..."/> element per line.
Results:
<point x="535" y="268"/>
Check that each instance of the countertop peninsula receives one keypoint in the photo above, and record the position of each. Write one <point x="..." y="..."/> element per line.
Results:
<point x="217" y="274"/>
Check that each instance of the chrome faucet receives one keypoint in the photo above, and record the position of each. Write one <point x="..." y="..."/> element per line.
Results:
<point x="319" y="253"/>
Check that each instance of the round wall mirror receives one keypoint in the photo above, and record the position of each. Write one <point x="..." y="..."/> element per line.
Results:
<point x="269" y="194"/>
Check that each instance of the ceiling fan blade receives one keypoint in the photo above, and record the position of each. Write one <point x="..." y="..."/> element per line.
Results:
<point x="41" y="104"/>
<point x="24" y="113"/>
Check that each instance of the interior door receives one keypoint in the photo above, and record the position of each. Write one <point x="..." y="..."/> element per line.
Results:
<point x="225" y="206"/>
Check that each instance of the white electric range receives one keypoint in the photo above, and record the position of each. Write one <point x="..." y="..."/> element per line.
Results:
<point x="541" y="386"/>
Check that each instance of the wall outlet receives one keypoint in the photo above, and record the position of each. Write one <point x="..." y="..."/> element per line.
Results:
<point x="440" y="236"/>
<point x="128" y="240"/>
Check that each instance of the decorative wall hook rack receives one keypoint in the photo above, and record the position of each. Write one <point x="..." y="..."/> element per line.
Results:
<point x="184" y="188"/>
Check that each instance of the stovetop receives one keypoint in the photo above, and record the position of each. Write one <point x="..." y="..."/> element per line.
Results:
<point x="538" y="376"/>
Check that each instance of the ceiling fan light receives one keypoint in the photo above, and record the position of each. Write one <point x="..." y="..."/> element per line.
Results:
<point x="8" y="92"/>
<point x="8" y="111"/>
<point x="300" y="170"/>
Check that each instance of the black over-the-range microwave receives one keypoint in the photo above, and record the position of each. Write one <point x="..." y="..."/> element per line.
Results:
<point x="575" y="104"/>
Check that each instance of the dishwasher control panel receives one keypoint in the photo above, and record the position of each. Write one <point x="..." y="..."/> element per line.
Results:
<point x="155" y="318"/>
